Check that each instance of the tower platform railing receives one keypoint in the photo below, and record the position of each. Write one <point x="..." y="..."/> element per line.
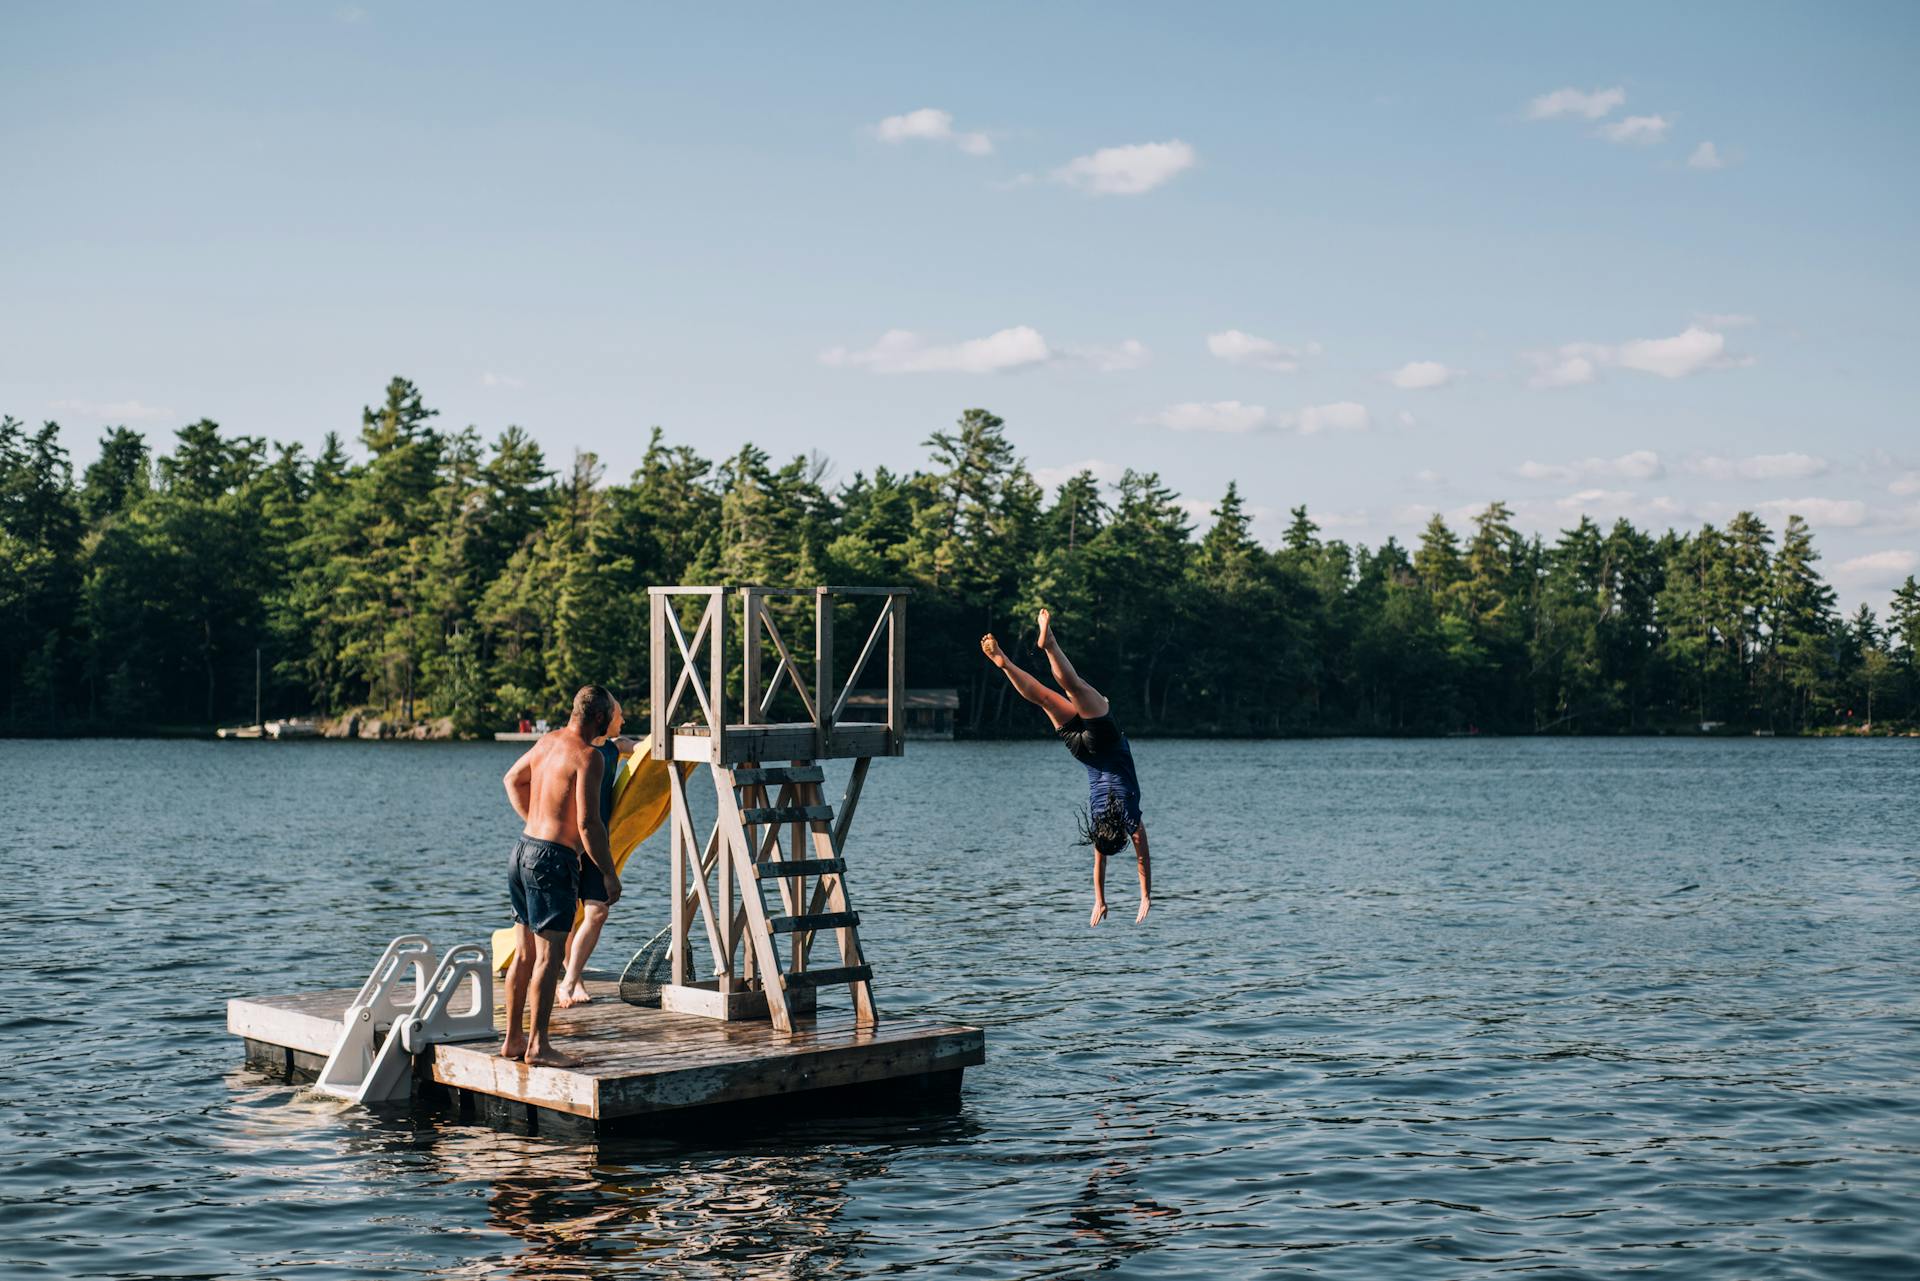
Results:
<point x="693" y="658"/>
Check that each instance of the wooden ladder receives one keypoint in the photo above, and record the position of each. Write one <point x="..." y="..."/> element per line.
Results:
<point x="809" y="871"/>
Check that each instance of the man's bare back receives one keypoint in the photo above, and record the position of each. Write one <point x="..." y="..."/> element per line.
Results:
<point x="552" y="777"/>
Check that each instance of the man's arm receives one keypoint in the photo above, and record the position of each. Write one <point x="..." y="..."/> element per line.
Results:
<point x="593" y="828"/>
<point x="519" y="784"/>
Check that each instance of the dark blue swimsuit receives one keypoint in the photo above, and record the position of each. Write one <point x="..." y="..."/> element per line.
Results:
<point x="592" y="884"/>
<point x="1099" y="745"/>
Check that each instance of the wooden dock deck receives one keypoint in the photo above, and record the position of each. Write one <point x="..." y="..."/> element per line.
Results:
<point x="636" y="1065"/>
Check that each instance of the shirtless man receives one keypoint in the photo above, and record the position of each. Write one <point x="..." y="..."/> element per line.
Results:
<point x="555" y="788"/>
<point x="593" y="888"/>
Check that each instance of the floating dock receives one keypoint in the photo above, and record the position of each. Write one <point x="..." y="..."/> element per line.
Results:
<point x="639" y="1067"/>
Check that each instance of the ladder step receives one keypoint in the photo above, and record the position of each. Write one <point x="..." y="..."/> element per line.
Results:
<point x="837" y="974"/>
<point x="800" y="867"/>
<point x="787" y="814"/>
<point x="813" y="921"/>
<point x="776" y="775"/>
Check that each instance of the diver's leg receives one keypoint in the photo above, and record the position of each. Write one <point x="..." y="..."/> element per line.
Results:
<point x="1059" y="710"/>
<point x="1087" y="701"/>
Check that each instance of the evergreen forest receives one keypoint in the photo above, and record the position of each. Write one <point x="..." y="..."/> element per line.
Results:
<point x="430" y="573"/>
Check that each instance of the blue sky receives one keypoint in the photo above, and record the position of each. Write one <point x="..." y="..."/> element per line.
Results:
<point x="1366" y="257"/>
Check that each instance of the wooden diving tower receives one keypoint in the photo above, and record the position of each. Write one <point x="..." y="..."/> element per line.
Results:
<point x="745" y="1034"/>
<point x="774" y="827"/>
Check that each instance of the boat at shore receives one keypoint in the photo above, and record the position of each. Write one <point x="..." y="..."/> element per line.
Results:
<point x="271" y="729"/>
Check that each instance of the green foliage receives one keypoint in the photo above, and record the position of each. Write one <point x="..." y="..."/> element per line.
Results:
<point x="438" y="574"/>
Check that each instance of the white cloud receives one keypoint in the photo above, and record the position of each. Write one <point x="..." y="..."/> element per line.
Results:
<point x="1575" y="102"/>
<point x="1343" y="415"/>
<point x="1846" y="513"/>
<point x="1687" y="352"/>
<point x="506" y="381"/>
<point x="900" y="351"/>
<point x="1051" y="478"/>
<point x="125" y="411"/>
<point x="1904" y="485"/>
<point x="930" y="124"/>
<point x="1219" y="415"/>
<point x="1417" y="375"/>
<point x="1637" y="130"/>
<point x="1566" y="370"/>
<point x="1641" y="464"/>
<point x="1758" y="467"/>
<point x="1130" y="354"/>
<point x="1407" y="419"/>
<point x="1239" y="348"/>
<point x="1233" y="416"/>
<point x="1706" y="156"/>
<point x="1127" y="171"/>
<point x="1878" y="569"/>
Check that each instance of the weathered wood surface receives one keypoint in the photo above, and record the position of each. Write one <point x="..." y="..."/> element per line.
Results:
<point x="634" y="1061"/>
<point x="783" y="742"/>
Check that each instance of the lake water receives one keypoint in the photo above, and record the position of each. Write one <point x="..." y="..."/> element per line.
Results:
<point x="1403" y="1009"/>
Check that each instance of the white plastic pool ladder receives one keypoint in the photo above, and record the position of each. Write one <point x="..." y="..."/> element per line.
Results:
<point x="373" y="1061"/>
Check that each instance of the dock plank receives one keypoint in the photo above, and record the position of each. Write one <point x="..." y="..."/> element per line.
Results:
<point x="633" y="1061"/>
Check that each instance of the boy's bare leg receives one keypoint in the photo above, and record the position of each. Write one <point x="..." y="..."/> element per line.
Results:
<point x="1087" y="701"/>
<point x="1145" y="866"/>
<point x="1099" y="889"/>
<point x="579" y="949"/>
<point x="518" y="971"/>
<point x="546" y="976"/>
<point x="1058" y="709"/>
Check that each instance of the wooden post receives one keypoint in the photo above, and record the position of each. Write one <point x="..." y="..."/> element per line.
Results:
<point x="723" y="908"/>
<point x="717" y="664"/>
<point x="657" y="677"/>
<point x="750" y="652"/>
<point x="823" y="690"/>
<point x="897" y="675"/>
<point x="677" y="882"/>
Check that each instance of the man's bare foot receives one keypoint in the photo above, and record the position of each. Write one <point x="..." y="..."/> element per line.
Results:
<point x="991" y="648"/>
<point x="1046" y="629"/>
<point x="513" y="1047"/>
<point x="547" y="1056"/>
<point x="1099" y="915"/>
<point x="568" y="997"/>
<point x="1144" y="905"/>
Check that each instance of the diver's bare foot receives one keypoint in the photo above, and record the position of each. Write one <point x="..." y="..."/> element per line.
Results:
<point x="1144" y="905"/>
<point x="991" y="648"/>
<point x="1099" y="915"/>
<point x="547" y="1056"/>
<point x="513" y="1047"/>
<point x="568" y="997"/>
<point x="1046" y="629"/>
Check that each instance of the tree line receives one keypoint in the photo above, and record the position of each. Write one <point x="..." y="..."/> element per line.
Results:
<point x="437" y="574"/>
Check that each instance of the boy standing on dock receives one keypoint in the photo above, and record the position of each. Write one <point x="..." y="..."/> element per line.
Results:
<point x="555" y="789"/>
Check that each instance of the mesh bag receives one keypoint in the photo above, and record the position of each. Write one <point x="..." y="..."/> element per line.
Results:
<point x="640" y="981"/>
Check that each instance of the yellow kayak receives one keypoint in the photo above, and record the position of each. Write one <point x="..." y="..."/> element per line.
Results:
<point x="641" y="803"/>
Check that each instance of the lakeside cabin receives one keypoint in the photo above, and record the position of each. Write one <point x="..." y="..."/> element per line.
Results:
<point x="930" y="713"/>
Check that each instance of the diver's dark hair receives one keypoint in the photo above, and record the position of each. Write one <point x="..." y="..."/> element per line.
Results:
<point x="1107" y="830"/>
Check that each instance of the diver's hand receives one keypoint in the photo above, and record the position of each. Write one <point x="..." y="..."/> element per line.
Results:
<point x="613" y="889"/>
